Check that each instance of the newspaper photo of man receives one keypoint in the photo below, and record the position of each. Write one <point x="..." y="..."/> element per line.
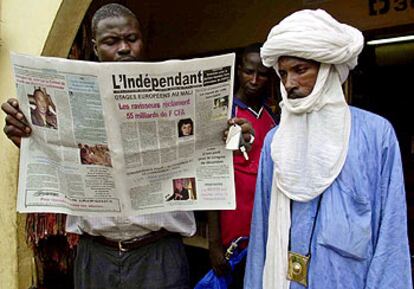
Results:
<point x="42" y="109"/>
<point x="220" y="106"/>
<point x="183" y="189"/>
<point x="95" y="155"/>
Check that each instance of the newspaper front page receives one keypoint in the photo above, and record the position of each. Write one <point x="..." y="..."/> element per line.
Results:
<point x="125" y="138"/>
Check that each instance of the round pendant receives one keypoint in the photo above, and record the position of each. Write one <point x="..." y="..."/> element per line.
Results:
<point x="296" y="268"/>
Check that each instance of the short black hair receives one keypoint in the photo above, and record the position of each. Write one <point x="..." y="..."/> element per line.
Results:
<point x="185" y="121"/>
<point x="252" y="48"/>
<point x="38" y="90"/>
<point x="108" y="11"/>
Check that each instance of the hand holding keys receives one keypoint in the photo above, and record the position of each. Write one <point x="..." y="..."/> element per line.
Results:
<point x="235" y="141"/>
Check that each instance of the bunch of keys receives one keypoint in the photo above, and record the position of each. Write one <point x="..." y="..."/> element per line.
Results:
<point x="235" y="140"/>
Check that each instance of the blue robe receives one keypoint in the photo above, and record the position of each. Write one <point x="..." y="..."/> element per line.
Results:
<point x="360" y="236"/>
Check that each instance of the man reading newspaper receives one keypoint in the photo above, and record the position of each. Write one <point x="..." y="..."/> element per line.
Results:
<point x="143" y="251"/>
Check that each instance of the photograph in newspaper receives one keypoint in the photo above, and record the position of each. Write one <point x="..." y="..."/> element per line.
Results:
<point x="42" y="108"/>
<point x="183" y="190"/>
<point x="185" y="127"/>
<point x="95" y="155"/>
<point x="125" y="138"/>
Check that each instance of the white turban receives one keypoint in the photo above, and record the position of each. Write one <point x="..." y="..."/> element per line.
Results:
<point x="310" y="145"/>
<point x="316" y="35"/>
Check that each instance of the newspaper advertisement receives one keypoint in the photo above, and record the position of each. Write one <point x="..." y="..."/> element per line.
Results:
<point x="120" y="139"/>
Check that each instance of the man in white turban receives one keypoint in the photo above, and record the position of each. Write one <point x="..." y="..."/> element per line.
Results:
<point x="330" y="208"/>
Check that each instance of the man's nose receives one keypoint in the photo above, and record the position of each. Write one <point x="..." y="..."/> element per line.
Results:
<point x="253" y="79"/>
<point x="290" y="83"/>
<point x="124" y="47"/>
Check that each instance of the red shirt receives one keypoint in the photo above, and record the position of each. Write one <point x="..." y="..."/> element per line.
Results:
<point x="236" y="223"/>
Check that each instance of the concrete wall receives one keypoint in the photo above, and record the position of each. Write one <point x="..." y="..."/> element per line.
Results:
<point x="41" y="27"/>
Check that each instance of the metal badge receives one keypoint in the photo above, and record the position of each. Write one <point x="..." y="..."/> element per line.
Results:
<point x="298" y="268"/>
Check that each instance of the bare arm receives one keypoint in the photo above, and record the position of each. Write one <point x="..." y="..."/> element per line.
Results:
<point x="216" y="250"/>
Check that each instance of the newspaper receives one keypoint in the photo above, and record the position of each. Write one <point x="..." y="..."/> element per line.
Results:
<point x="120" y="139"/>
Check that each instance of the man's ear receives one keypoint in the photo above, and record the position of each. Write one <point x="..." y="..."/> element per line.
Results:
<point x="95" y="50"/>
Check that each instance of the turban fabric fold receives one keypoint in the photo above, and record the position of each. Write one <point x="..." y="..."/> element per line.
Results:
<point x="316" y="35"/>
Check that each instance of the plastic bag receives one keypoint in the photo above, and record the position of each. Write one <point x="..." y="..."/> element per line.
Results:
<point x="234" y="256"/>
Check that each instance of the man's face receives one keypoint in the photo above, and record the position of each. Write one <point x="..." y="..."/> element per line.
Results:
<point x="298" y="75"/>
<point x="253" y="76"/>
<point x="179" y="186"/>
<point x="186" y="129"/>
<point x="41" y="101"/>
<point x="118" y="39"/>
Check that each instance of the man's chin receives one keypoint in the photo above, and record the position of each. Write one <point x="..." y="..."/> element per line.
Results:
<point x="295" y="96"/>
<point x="252" y="92"/>
<point x="126" y="59"/>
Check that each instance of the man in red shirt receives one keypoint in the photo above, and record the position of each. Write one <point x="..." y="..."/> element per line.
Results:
<point x="248" y="103"/>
